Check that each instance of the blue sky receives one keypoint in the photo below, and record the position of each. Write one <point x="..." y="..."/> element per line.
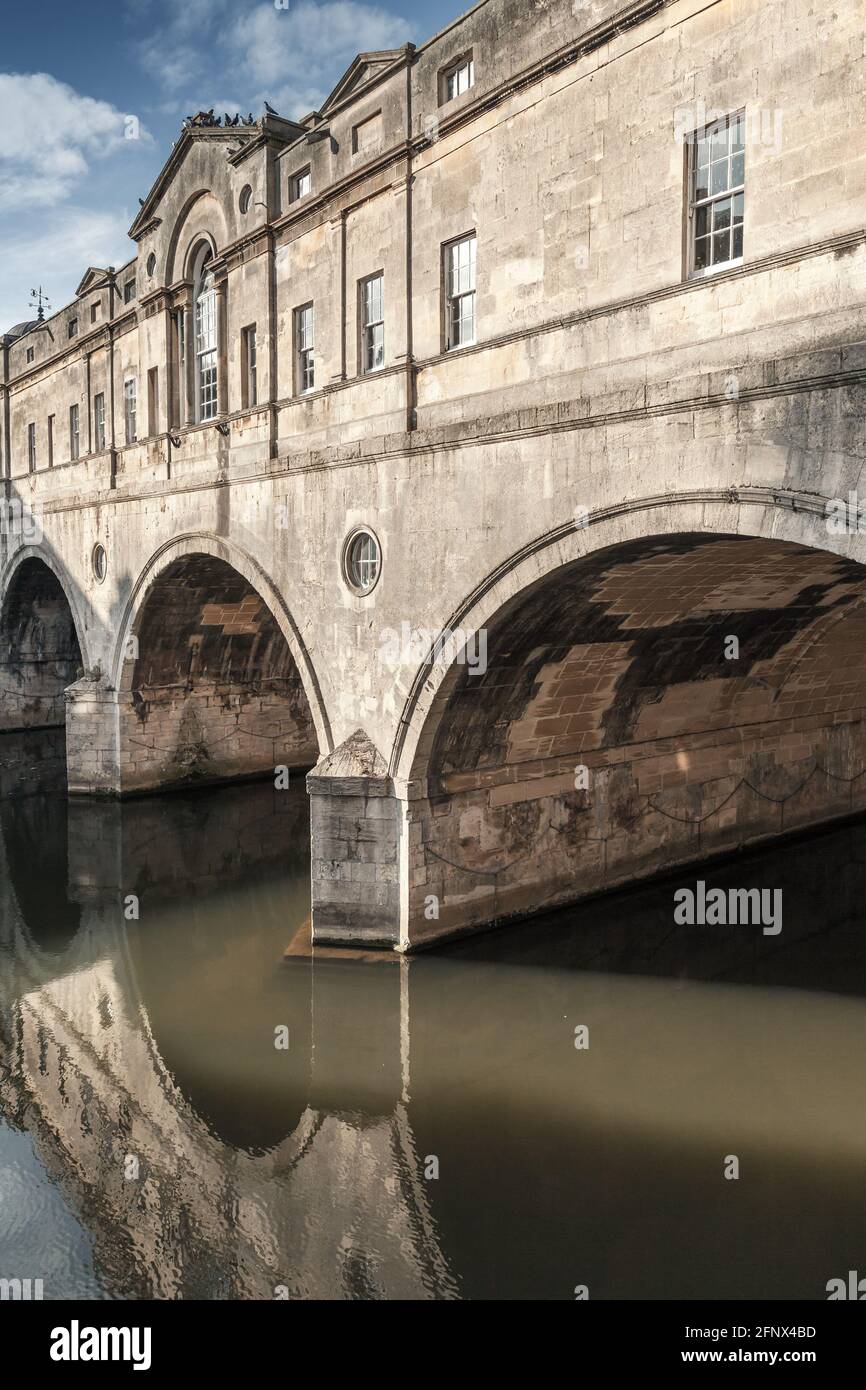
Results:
<point x="72" y="163"/>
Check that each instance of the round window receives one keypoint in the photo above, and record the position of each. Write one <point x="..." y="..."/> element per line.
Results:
<point x="362" y="561"/>
<point x="99" y="560"/>
<point x="151" y="264"/>
<point x="246" y="198"/>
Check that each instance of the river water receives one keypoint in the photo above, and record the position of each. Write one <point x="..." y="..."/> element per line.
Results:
<point x="185" y="1113"/>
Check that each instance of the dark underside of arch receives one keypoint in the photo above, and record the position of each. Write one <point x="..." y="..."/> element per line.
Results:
<point x="39" y="651"/>
<point x="711" y="687"/>
<point x="212" y="690"/>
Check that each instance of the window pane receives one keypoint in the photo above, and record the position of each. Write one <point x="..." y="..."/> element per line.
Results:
<point x="702" y="183"/>
<point x="738" y="133"/>
<point x="719" y="177"/>
<point x="738" y="169"/>
<point x="702" y="221"/>
<point x="702" y="253"/>
<point x="721" y="214"/>
<point x="739" y="200"/>
<point x="719" y="142"/>
<point x="721" y="248"/>
<point x="738" y="240"/>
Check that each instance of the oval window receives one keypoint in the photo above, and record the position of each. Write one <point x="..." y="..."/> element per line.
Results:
<point x="246" y="198"/>
<point x="99" y="560"/>
<point x="151" y="264"/>
<point x="362" y="561"/>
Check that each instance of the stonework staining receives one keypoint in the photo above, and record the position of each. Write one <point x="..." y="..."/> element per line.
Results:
<point x="565" y="309"/>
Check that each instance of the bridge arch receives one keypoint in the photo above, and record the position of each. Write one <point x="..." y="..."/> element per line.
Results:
<point x="657" y="685"/>
<point x="209" y="660"/>
<point x="43" y="647"/>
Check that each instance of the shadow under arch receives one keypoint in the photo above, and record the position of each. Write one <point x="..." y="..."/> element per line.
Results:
<point x="777" y="514"/>
<point x="237" y="559"/>
<point x="42" y="640"/>
<point x="639" y="705"/>
<point x="70" y="591"/>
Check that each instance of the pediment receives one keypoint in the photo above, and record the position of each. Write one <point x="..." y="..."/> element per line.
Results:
<point x="361" y="73"/>
<point x="224" y="140"/>
<point x="93" y="279"/>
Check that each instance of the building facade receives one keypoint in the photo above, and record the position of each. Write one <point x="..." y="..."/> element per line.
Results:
<point x="444" y="438"/>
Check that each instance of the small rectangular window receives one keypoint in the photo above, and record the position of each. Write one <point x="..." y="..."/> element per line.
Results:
<point x="72" y="328"/>
<point x="717" y="192"/>
<point x="301" y="184"/>
<point x="372" y="295"/>
<point x="31" y="353"/>
<point x="128" y="291"/>
<point x="31" y="447"/>
<point x="304" y="345"/>
<point x="459" y="274"/>
<point x="249" y="383"/>
<point x="74" y="434"/>
<point x="457" y="78"/>
<point x="153" y="402"/>
<point x="367" y="134"/>
<point x="50" y="441"/>
<point x="94" y="312"/>
<point x="99" y="421"/>
<point x="129" y="410"/>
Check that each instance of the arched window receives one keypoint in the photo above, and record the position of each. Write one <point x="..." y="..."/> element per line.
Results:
<point x="205" y="337"/>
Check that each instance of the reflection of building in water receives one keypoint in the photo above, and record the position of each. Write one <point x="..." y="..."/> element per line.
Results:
<point x="254" y="1173"/>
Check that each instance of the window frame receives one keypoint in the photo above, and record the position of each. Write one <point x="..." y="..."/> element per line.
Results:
<point x="130" y="416"/>
<point x="72" y="329"/>
<point x="128" y="291"/>
<point x="74" y="432"/>
<point x="29" y="356"/>
<point x="31" y="446"/>
<point x="730" y="193"/>
<point x="205" y="326"/>
<point x="365" y="366"/>
<point x="305" y="352"/>
<point x="450" y="297"/>
<point x="249" y="367"/>
<point x="99" y="421"/>
<point x="296" y="193"/>
<point x="465" y="62"/>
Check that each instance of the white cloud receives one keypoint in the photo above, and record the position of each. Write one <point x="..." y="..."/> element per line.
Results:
<point x="50" y="135"/>
<point x="68" y="240"/>
<point x="291" y="57"/>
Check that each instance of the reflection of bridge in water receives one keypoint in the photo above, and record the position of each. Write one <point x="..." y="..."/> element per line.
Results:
<point x="262" y="1169"/>
<point x="250" y="1174"/>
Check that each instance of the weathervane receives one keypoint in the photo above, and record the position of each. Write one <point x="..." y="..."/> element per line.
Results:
<point x="40" y="303"/>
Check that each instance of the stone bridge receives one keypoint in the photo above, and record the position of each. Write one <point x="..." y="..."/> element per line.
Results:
<point x="605" y="617"/>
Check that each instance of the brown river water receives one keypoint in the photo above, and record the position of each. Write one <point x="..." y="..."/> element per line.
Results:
<point x="430" y="1130"/>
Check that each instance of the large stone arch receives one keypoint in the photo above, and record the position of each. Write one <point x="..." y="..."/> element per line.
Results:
<point x="204" y="636"/>
<point x="202" y="218"/>
<point x="612" y="731"/>
<point x="43" y="640"/>
<point x="772" y="513"/>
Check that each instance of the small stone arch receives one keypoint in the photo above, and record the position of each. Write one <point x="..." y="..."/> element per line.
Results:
<point x="206" y="544"/>
<point x="43" y="646"/>
<point x="201" y="218"/>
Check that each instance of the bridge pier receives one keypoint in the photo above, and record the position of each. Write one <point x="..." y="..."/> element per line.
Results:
<point x="358" y="842"/>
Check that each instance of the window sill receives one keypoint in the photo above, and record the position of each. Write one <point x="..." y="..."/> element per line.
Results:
<point x="710" y="270"/>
